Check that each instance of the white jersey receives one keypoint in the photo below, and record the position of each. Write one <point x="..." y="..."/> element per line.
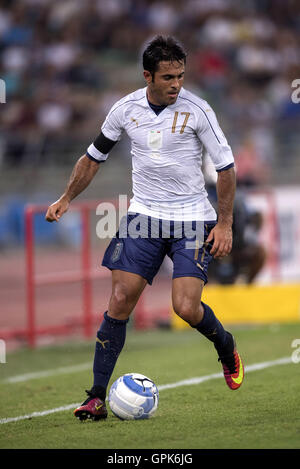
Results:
<point x="167" y="152"/>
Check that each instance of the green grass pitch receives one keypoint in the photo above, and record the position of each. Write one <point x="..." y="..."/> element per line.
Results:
<point x="263" y="413"/>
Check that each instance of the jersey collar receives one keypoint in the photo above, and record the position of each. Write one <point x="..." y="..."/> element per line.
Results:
<point x="171" y="106"/>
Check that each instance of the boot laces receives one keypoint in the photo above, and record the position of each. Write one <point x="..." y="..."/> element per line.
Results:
<point x="91" y="396"/>
<point x="229" y="362"/>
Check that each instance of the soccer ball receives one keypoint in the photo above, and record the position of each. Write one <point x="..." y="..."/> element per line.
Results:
<point x="133" y="397"/>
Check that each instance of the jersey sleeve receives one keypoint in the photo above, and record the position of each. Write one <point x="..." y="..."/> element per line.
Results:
<point x="99" y="149"/>
<point x="213" y="139"/>
<point x="113" y="125"/>
<point x="111" y="132"/>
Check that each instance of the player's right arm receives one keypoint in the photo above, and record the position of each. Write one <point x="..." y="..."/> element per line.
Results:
<point x="88" y="165"/>
<point x="82" y="174"/>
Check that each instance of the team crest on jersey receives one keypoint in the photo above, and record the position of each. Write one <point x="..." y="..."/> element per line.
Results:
<point x="155" y="142"/>
<point x="117" y="252"/>
<point x="155" y="139"/>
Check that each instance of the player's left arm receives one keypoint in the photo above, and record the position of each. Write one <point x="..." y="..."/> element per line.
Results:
<point x="221" y="234"/>
<point x="214" y="140"/>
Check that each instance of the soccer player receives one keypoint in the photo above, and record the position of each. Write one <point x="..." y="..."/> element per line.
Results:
<point x="168" y="127"/>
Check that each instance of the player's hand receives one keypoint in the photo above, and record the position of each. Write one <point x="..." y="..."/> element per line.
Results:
<point x="57" y="209"/>
<point x="221" y="235"/>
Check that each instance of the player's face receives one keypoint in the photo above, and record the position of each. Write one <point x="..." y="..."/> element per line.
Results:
<point x="164" y="87"/>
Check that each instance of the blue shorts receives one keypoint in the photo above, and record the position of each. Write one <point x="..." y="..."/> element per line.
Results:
<point x="142" y="242"/>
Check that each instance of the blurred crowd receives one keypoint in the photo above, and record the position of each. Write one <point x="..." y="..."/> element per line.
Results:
<point x="66" y="62"/>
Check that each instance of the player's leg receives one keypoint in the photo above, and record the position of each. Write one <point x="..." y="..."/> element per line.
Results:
<point x="126" y="290"/>
<point x="134" y="262"/>
<point x="186" y="297"/>
<point x="189" y="277"/>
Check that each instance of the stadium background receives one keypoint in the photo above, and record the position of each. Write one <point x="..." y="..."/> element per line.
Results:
<point x="65" y="63"/>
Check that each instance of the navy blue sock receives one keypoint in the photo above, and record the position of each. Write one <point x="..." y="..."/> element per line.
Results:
<point x="109" y="343"/>
<point x="213" y="330"/>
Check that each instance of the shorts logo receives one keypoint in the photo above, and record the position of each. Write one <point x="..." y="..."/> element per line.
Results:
<point x="117" y="252"/>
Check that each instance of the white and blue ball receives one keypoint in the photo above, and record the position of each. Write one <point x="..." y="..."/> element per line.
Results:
<point x="133" y="396"/>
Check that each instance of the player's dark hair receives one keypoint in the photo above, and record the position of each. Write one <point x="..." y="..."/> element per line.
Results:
<point x="162" y="48"/>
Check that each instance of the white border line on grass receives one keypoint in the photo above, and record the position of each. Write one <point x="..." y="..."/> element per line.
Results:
<point x="46" y="373"/>
<point x="186" y="382"/>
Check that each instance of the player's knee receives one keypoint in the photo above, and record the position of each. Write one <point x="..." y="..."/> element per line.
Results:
<point x="119" y="296"/>
<point x="122" y="300"/>
<point x="187" y="310"/>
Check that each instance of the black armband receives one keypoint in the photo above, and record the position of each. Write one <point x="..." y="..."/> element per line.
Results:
<point x="103" y="144"/>
<point x="98" y="151"/>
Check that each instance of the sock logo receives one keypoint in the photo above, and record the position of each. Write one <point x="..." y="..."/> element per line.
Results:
<point x="212" y="333"/>
<point x="102" y="342"/>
